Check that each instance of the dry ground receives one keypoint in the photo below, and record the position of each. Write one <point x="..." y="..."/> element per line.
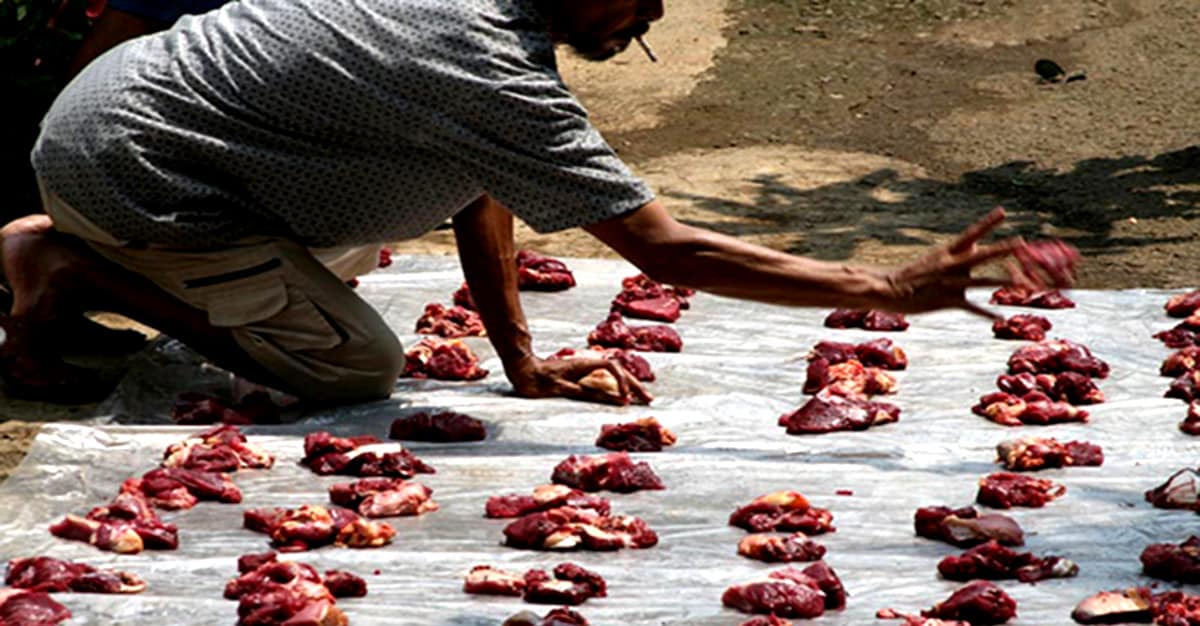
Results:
<point x="867" y="129"/>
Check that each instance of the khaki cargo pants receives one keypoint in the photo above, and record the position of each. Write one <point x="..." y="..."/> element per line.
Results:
<point x="287" y="306"/>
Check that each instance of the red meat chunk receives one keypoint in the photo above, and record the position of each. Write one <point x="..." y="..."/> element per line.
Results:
<point x="785" y="511"/>
<point x="848" y="379"/>
<point x="965" y="527"/>
<point x="178" y="488"/>
<point x="1178" y="337"/>
<point x="1167" y="561"/>
<point x="1181" y="362"/>
<point x="488" y="580"/>
<point x="542" y="273"/>
<point x="568" y="528"/>
<point x="1185" y="387"/>
<point x="221" y="449"/>
<point x="1070" y="387"/>
<point x="978" y="602"/>
<point x="789" y="592"/>
<point x="360" y="456"/>
<point x="311" y="526"/>
<point x="643" y="435"/>
<point x="1037" y="453"/>
<point x="777" y="549"/>
<point x="383" y="497"/>
<point x="288" y="593"/>
<point x="610" y="472"/>
<point x="1115" y="607"/>
<point x="1180" y="491"/>
<point x="385" y="258"/>
<point x="766" y="620"/>
<point x="462" y="297"/>
<point x="450" y="323"/>
<point x="43" y="573"/>
<point x="1030" y="327"/>
<point x="644" y="298"/>
<point x="1184" y="304"/>
<point x="1019" y="296"/>
<point x="826" y="413"/>
<point x="19" y="607"/>
<point x="875" y="353"/>
<point x="556" y="617"/>
<point x="193" y="408"/>
<point x="1004" y="490"/>
<point x="251" y="562"/>
<point x="613" y="332"/>
<point x="1191" y="423"/>
<point x="126" y="525"/>
<point x="992" y="561"/>
<point x="867" y="320"/>
<point x="1033" y="408"/>
<point x="344" y="584"/>
<point x="571" y="585"/>
<point x="442" y="359"/>
<point x="1054" y="356"/>
<point x="545" y="497"/>
<point x="632" y="362"/>
<point x="917" y="620"/>
<point x="444" y="426"/>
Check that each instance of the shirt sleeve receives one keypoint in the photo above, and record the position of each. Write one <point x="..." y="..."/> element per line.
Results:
<point x="165" y="11"/>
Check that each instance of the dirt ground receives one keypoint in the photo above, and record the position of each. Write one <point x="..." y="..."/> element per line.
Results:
<point x="867" y="129"/>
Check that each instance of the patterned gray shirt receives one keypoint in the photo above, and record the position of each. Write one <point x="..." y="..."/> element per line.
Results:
<point x="333" y="122"/>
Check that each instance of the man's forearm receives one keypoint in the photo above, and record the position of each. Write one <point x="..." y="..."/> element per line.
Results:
<point x="484" y="232"/>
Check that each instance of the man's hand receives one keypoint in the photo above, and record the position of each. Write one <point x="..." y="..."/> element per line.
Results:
<point x="593" y="380"/>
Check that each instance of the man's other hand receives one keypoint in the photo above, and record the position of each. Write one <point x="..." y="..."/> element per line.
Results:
<point x="592" y="380"/>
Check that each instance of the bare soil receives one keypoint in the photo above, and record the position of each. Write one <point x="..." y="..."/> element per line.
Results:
<point x="867" y="129"/>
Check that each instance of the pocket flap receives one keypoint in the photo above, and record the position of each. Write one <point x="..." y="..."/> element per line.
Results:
<point x="246" y="301"/>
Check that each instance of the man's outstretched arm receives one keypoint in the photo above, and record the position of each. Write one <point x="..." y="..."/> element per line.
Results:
<point x="484" y="233"/>
<point x="676" y="253"/>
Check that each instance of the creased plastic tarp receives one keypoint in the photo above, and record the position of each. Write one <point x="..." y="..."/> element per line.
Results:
<point x="741" y="367"/>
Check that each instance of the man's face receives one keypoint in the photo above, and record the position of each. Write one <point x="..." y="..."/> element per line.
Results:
<point x="599" y="29"/>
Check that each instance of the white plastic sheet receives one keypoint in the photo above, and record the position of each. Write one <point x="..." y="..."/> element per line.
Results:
<point x="741" y="367"/>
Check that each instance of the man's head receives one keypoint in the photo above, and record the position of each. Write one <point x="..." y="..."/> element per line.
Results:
<point x="599" y="29"/>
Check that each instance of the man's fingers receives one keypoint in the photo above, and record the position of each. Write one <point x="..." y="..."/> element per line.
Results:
<point x="622" y="377"/>
<point x="989" y="252"/>
<point x="977" y="231"/>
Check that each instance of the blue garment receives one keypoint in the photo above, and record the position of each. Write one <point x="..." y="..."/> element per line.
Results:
<point x="165" y="11"/>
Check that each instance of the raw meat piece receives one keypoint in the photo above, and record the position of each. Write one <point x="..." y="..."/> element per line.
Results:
<point x="826" y="413"/>
<point x="631" y="361"/>
<point x="1191" y="423"/>
<point x="385" y="258"/>
<point x="360" y="456"/>
<point x="1030" y="327"/>
<point x="965" y="527"/>
<point x="1184" y="304"/>
<point x="978" y="602"/>
<point x="126" y="525"/>
<point x="1003" y="490"/>
<point x="644" y="435"/>
<point x="462" y="297"/>
<point x="1037" y="453"/>
<point x="1181" y="362"/>
<point x="875" y="353"/>
<point x="556" y="617"/>
<point x="789" y="592"/>
<point x="192" y="408"/>
<point x="1054" y="356"/>
<point x="613" y="332"/>
<point x="1167" y="561"/>
<point x="1070" y="387"/>
<point x="1178" y="337"/>
<point x="344" y="584"/>
<point x="610" y="472"/>
<point x="450" y="323"/>
<point x="488" y="580"/>
<point x="766" y="620"/>
<point x="1032" y="408"/>
<point x="1019" y="296"/>
<point x="568" y="528"/>
<point x="917" y="620"/>
<point x="1186" y="387"/>
<point x="868" y="320"/>
<point x="442" y="359"/>
<point x="776" y="549"/>
<point x="644" y="298"/>
<point x="785" y="511"/>
<point x="383" y="497"/>
<point x="1175" y="608"/>
<point x="177" y="488"/>
<point x="444" y="426"/>
<point x="251" y="562"/>
<point x="1115" y="607"/>
<point x="993" y="561"/>
<point x="221" y="449"/>
<point x="43" y="573"/>
<point x="544" y="498"/>
<point x="292" y="594"/>
<point x="848" y="379"/>
<point x="311" y="526"/>
<point x="571" y="584"/>
<point x="19" y="607"/>
<point x="1180" y="491"/>
<point x="542" y="273"/>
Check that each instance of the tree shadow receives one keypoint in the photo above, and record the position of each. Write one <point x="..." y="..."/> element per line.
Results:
<point x="1082" y="205"/>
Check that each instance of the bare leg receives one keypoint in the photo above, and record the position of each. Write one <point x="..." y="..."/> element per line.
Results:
<point x="56" y="276"/>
